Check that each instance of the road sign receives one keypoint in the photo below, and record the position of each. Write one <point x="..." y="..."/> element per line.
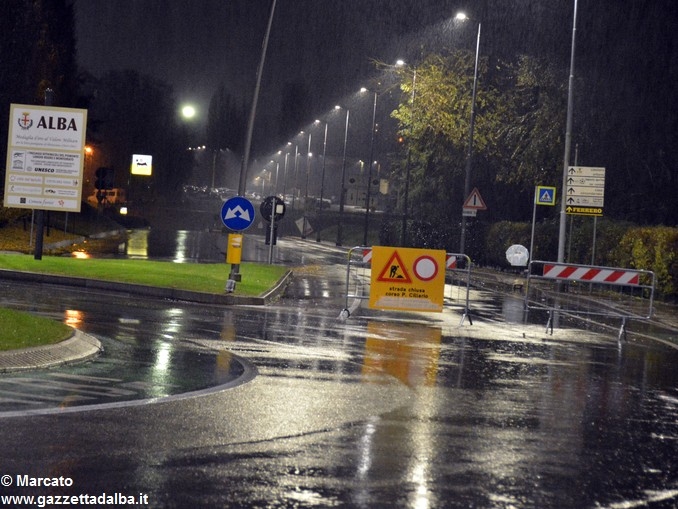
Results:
<point x="474" y="201"/>
<point x="517" y="255"/>
<point x="585" y="190"/>
<point x="546" y="195"/>
<point x="237" y="213"/>
<point x="407" y="279"/>
<point x="266" y="208"/>
<point x="45" y="158"/>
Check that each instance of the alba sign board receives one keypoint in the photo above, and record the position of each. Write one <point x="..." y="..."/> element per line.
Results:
<point x="45" y="157"/>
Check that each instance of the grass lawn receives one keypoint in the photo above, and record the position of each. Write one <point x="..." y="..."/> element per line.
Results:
<point x="21" y="330"/>
<point x="199" y="277"/>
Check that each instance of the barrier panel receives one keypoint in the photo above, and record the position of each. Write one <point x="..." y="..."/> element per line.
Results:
<point x="590" y="290"/>
<point x="457" y="276"/>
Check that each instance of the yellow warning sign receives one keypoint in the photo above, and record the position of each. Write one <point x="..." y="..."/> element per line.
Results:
<point x="407" y="279"/>
<point x="397" y="273"/>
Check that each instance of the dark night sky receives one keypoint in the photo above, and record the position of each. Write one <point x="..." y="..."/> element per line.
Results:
<point x="326" y="45"/>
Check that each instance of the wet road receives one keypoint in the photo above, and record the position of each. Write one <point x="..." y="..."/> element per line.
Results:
<point x="381" y="410"/>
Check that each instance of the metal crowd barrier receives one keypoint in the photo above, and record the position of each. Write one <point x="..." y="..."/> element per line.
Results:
<point x="457" y="275"/>
<point x="590" y="290"/>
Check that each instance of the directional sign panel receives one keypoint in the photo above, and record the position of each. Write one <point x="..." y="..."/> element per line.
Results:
<point x="585" y="190"/>
<point x="237" y="213"/>
<point x="407" y="279"/>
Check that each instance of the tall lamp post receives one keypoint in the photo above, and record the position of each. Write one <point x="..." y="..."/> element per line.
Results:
<point x="308" y="173"/>
<point x="342" y="197"/>
<point x="322" y="185"/>
<point x="469" y="152"/>
<point x="369" y="169"/>
<point x="568" y="143"/>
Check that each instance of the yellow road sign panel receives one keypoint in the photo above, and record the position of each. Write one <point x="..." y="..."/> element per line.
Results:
<point x="407" y="279"/>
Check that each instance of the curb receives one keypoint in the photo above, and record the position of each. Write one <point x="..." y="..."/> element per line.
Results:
<point x="79" y="347"/>
<point x="226" y="299"/>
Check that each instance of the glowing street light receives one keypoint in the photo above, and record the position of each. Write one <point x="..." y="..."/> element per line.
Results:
<point x="469" y="154"/>
<point x="188" y="112"/>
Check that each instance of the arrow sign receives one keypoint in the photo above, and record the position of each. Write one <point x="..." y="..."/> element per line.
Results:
<point x="237" y="213"/>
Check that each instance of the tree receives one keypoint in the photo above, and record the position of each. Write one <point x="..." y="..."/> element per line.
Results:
<point x="137" y="114"/>
<point x="37" y="44"/>
<point x="225" y="122"/>
<point x="516" y="142"/>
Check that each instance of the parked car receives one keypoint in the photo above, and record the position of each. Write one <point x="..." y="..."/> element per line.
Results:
<point x="109" y="197"/>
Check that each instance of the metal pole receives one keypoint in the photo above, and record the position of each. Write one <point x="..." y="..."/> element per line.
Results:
<point x="403" y="229"/>
<point x="342" y="197"/>
<point x="568" y="142"/>
<point x="242" y="182"/>
<point x="322" y="186"/>
<point x="40" y="213"/>
<point x="534" y="220"/>
<point x="308" y="173"/>
<point x="273" y="207"/>
<point x="369" y="172"/>
<point x="253" y="110"/>
<point x="469" y="153"/>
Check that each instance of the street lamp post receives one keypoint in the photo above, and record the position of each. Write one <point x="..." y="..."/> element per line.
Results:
<point x="322" y="186"/>
<point x="342" y="197"/>
<point x="287" y="155"/>
<point x="369" y="170"/>
<point x="469" y="153"/>
<point x="568" y="143"/>
<point x="308" y="173"/>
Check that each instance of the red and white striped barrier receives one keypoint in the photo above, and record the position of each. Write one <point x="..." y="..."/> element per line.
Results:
<point x="451" y="261"/>
<point x="592" y="274"/>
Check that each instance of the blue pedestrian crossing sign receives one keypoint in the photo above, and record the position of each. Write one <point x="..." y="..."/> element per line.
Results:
<point x="237" y="213"/>
<point x="545" y="195"/>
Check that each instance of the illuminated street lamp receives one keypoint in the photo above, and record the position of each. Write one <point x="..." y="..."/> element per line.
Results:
<point x="188" y="111"/>
<point x="308" y="173"/>
<point x="469" y="154"/>
<point x="342" y="197"/>
<point x="369" y="167"/>
<point x="322" y="184"/>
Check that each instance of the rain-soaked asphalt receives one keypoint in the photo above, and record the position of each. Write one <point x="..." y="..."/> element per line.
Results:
<point x="384" y="409"/>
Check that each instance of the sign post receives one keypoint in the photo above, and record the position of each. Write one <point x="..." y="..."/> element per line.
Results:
<point x="543" y="195"/>
<point x="45" y="159"/>
<point x="237" y="214"/>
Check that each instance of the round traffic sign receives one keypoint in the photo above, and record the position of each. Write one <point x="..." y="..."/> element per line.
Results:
<point x="517" y="255"/>
<point x="267" y="207"/>
<point x="237" y="213"/>
<point x="425" y="268"/>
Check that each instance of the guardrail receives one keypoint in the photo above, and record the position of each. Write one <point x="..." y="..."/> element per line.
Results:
<point x="590" y="290"/>
<point x="457" y="275"/>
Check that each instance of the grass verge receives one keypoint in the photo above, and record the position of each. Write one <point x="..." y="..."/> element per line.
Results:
<point x="198" y="277"/>
<point x="21" y="330"/>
